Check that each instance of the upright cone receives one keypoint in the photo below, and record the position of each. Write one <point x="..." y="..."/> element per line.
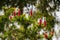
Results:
<point x="30" y="12"/>
<point x="40" y="21"/>
<point x="19" y="12"/>
<point x="44" y="22"/>
<point x="10" y="17"/>
<point x="45" y="35"/>
<point x="14" y="13"/>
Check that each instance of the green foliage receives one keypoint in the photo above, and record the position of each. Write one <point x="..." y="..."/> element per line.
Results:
<point x="24" y="31"/>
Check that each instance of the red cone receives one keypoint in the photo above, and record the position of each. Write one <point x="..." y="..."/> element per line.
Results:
<point x="30" y="12"/>
<point x="44" y="23"/>
<point x="19" y="12"/>
<point x="40" y="21"/>
<point x="45" y="35"/>
<point x="14" y="13"/>
<point x="52" y="32"/>
<point x="10" y="17"/>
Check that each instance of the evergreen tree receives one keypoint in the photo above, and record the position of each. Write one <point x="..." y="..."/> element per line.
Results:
<point x="27" y="28"/>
